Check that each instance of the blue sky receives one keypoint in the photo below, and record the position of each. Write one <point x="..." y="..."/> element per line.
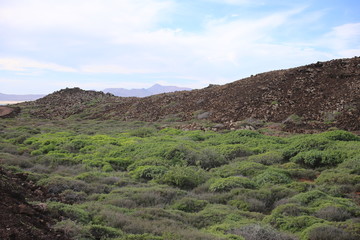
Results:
<point x="46" y="45"/>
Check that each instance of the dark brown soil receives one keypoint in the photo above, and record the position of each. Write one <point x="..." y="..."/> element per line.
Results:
<point x="20" y="220"/>
<point x="304" y="99"/>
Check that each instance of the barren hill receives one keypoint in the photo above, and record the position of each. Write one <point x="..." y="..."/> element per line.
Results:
<point x="316" y="96"/>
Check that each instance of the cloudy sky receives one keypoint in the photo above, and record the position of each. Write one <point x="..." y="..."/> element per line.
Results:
<point x="46" y="45"/>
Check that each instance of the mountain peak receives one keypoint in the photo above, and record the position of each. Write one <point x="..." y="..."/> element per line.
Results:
<point x="144" y="92"/>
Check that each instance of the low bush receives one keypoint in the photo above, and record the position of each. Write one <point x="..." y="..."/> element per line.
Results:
<point x="268" y="158"/>
<point x="351" y="165"/>
<point x="249" y="204"/>
<point x="184" y="177"/>
<point x="211" y="214"/>
<point x="304" y="144"/>
<point x="326" y="232"/>
<point x="73" y="212"/>
<point x="150" y="161"/>
<point x="292" y="224"/>
<point x="290" y="209"/>
<point x="335" y="176"/>
<point x="143" y="132"/>
<point x="73" y="229"/>
<point x="340" y="135"/>
<point x="59" y="184"/>
<point x="296" y="171"/>
<point x="149" y="172"/>
<point x="333" y="213"/>
<point x="144" y="236"/>
<point x="226" y="184"/>
<point x="190" y="204"/>
<point x="209" y="158"/>
<point x="309" y="197"/>
<point x="69" y="196"/>
<point x="232" y="151"/>
<point x="263" y="232"/>
<point x="244" y="168"/>
<point x="100" y="232"/>
<point x="272" y="176"/>
<point x="316" y="158"/>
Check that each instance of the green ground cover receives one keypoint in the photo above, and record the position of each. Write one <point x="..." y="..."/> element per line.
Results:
<point x="121" y="180"/>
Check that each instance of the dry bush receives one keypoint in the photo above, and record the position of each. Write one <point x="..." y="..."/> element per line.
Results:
<point x="259" y="232"/>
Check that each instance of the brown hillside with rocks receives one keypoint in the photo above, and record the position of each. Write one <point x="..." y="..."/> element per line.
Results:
<point x="316" y="96"/>
<point x="18" y="218"/>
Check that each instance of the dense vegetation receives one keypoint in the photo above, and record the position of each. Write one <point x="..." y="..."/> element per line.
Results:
<point x="117" y="180"/>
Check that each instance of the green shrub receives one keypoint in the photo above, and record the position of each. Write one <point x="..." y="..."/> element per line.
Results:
<point x="304" y="144"/>
<point x="150" y="161"/>
<point x="144" y="236"/>
<point x="316" y="158"/>
<point x="333" y="213"/>
<point x="272" y="176"/>
<point x="69" y="196"/>
<point x="73" y="212"/>
<point x="103" y="232"/>
<point x="290" y="209"/>
<point x="119" y="163"/>
<point x="180" y="154"/>
<point x="257" y="232"/>
<point x="309" y="197"/>
<point x="232" y="151"/>
<point x="184" y="177"/>
<point x="268" y="158"/>
<point x="59" y="184"/>
<point x="244" y="168"/>
<point x="341" y="135"/>
<point x="149" y="172"/>
<point x="336" y="176"/>
<point x="226" y="184"/>
<point x="211" y="214"/>
<point x="352" y="165"/>
<point x="292" y="224"/>
<point x="72" y="229"/>
<point x="142" y="132"/>
<point x="322" y="231"/>
<point x="209" y="158"/>
<point x="296" y="171"/>
<point x="190" y="204"/>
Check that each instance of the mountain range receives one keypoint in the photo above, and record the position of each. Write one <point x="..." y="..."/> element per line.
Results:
<point x="144" y="92"/>
<point x="20" y="98"/>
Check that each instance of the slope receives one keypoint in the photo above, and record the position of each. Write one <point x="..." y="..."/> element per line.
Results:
<point x="316" y="96"/>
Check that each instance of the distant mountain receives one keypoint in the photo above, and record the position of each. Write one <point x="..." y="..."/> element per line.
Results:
<point x="14" y="97"/>
<point x="144" y="92"/>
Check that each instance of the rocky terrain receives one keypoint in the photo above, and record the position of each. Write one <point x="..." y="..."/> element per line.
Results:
<point x="18" y="218"/>
<point x="316" y="96"/>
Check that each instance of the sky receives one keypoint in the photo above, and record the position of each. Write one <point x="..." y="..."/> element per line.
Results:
<point x="48" y="45"/>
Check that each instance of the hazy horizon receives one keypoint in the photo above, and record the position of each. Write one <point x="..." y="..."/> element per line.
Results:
<point x="50" y="45"/>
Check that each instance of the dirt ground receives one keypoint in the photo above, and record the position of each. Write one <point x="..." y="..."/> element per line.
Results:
<point x="20" y="220"/>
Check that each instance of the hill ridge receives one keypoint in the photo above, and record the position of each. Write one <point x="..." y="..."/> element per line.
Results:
<point x="318" y="95"/>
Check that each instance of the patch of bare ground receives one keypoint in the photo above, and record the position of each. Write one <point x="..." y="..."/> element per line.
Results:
<point x="20" y="220"/>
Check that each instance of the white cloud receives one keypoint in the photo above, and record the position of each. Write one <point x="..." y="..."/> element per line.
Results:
<point x="91" y="17"/>
<point x="29" y="65"/>
<point x="126" y="37"/>
<point x="236" y="2"/>
<point x="113" y="68"/>
<point x="343" y="39"/>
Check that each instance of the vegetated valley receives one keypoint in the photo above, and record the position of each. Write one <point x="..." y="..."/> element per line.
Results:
<point x="275" y="156"/>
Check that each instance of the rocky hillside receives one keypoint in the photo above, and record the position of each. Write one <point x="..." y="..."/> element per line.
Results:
<point x="18" y="218"/>
<point x="316" y="96"/>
